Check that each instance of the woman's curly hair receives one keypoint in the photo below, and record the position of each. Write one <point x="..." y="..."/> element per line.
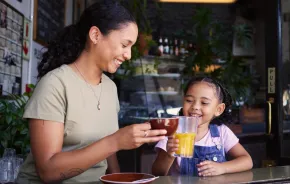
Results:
<point x="65" y="48"/>
<point x="222" y="94"/>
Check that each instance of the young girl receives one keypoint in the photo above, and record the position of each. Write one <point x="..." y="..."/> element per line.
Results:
<point x="210" y="101"/>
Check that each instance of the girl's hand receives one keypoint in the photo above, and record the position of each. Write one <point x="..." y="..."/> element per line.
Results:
<point x="172" y="145"/>
<point x="133" y="136"/>
<point x="210" y="168"/>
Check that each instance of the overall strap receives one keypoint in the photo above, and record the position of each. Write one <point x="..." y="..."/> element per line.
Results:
<point x="215" y="134"/>
<point x="214" y="130"/>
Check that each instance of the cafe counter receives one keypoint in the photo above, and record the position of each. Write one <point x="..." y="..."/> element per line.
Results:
<point x="261" y="175"/>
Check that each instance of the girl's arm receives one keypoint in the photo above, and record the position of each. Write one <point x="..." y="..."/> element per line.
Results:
<point x="113" y="165"/>
<point x="162" y="163"/>
<point x="241" y="161"/>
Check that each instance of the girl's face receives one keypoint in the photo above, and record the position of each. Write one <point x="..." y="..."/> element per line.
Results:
<point x="201" y="100"/>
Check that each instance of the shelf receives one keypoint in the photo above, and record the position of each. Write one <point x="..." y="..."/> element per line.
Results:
<point x="164" y="60"/>
<point x="14" y="20"/>
<point x="13" y="41"/>
<point x="163" y="57"/>
<point x="139" y="118"/>
<point x="158" y="92"/>
<point x="17" y="65"/>
<point x="14" y="53"/>
<point x="286" y="131"/>
<point x="10" y="74"/>
<point x="241" y="135"/>
<point x="12" y="30"/>
<point x="175" y="75"/>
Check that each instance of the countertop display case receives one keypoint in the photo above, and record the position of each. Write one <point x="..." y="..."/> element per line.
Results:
<point x="154" y="90"/>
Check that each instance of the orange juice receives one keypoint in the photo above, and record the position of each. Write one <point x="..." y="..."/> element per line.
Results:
<point x="186" y="144"/>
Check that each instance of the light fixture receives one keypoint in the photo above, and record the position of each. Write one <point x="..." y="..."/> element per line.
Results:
<point x="197" y="1"/>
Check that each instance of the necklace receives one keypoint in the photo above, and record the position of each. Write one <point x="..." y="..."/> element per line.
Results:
<point x="90" y="86"/>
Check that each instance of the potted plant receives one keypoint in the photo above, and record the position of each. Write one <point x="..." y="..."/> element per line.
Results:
<point x="212" y="55"/>
<point x="13" y="128"/>
<point x="144" y="41"/>
<point x="138" y="8"/>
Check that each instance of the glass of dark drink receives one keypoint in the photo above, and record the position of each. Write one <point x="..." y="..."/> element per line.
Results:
<point x="169" y="124"/>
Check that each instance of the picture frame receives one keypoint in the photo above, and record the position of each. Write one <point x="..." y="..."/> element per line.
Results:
<point x="49" y="18"/>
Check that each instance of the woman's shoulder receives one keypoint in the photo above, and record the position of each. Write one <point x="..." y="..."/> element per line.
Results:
<point x="108" y="81"/>
<point x="60" y="76"/>
<point x="57" y="73"/>
<point x="56" y="79"/>
<point x="64" y="72"/>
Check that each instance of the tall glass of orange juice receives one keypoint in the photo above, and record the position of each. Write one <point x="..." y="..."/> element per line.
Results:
<point x="185" y="133"/>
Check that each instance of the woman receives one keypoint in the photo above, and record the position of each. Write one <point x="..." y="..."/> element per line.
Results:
<point x="73" y="113"/>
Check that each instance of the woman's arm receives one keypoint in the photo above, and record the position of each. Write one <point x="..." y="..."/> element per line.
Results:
<point x="53" y="165"/>
<point x="241" y="161"/>
<point x="162" y="163"/>
<point x="113" y="165"/>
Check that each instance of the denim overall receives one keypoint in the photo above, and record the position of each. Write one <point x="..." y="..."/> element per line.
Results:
<point x="202" y="153"/>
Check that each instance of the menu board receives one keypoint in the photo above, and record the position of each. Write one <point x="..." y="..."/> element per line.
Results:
<point x="49" y="18"/>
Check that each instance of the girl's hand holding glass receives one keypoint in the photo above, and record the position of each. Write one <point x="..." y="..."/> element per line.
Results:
<point x="172" y="145"/>
<point x="210" y="168"/>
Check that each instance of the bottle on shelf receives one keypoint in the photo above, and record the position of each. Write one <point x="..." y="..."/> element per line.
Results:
<point x="160" y="46"/>
<point x="186" y="47"/>
<point x="176" y="49"/>
<point x="171" y="48"/>
<point x="182" y="48"/>
<point x="166" y="46"/>
<point x="190" y="48"/>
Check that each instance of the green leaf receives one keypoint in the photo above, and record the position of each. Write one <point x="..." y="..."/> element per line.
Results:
<point x="31" y="86"/>
<point x="8" y="119"/>
<point x="14" y="130"/>
<point x="4" y="143"/>
<point x="6" y="136"/>
<point x="26" y="94"/>
<point x="18" y="143"/>
<point x="24" y="131"/>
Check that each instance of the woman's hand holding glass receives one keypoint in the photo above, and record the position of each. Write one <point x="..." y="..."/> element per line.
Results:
<point x="133" y="136"/>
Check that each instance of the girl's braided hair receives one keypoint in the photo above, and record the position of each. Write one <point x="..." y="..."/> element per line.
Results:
<point x="222" y="94"/>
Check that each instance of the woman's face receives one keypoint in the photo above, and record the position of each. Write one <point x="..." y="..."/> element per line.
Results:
<point x="115" y="48"/>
